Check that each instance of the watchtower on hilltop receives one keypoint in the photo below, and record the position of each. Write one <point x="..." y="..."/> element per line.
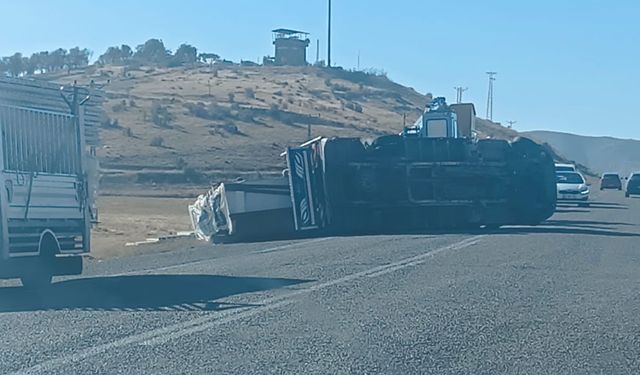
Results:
<point x="291" y="47"/>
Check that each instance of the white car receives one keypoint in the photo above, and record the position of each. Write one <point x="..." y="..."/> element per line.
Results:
<point x="565" y="167"/>
<point x="572" y="187"/>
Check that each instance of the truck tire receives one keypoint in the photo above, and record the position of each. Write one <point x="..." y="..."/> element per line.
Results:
<point x="39" y="276"/>
<point x="535" y="195"/>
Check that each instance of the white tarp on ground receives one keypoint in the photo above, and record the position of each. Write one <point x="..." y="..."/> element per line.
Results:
<point x="210" y="214"/>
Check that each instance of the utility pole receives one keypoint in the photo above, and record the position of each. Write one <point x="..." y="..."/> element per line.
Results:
<point x="329" y="37"/>
<point x="459" y="91"/>
<point x="492" y="77"/>
<point x="510" y="123"/>
<point x="358" y="60"/>
<point x="317" y="50"/>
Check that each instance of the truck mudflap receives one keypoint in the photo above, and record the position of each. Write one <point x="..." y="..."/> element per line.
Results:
<point x="306" y="187"/>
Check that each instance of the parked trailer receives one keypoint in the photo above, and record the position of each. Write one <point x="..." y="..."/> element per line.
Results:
<point x="46" y="204"/>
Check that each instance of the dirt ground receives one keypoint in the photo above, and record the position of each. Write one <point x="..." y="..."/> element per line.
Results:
<point x="129" y="219"/>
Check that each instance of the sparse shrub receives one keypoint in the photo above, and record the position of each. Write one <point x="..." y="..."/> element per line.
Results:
<point x="127" y="132"/>
<point x="231" y="128"/>
<point x="249" y="93"/>
<point x="160" y="115"/>
<point x="354" y="107"/>
<point x="181" y="163"/>
<point x="119" y="107"/>
<point x="278" y="93"/>
<point x="107" y="123"/>
<point x="197" y="109"/>
<point x="231" y="97"/>
<point x="210" y="112"/>
<point x="157" y="141"/>
<point x="132" y="103"/>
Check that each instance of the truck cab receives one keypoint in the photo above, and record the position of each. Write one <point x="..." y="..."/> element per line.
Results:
<point x="441" y="120"/>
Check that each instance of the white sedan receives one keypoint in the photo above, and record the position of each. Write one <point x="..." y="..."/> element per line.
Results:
<point x="572" y="187"/>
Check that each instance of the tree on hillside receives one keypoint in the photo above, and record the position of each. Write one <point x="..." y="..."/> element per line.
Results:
<point x="57" y="59"/>
<point x="116" y="55"/>
<point x="111" y="56"/>
<point x="208" y="58"/>
<point x="28" y="65"/>
<point x="152" y="51"/>
<point x="15" y="64"/>
<point x="185" y="54"/>
<point x="77" y="58"/>
<point x="126" y="53"/>
<point x="39" y="61"/>
<point x="3" y="66"/>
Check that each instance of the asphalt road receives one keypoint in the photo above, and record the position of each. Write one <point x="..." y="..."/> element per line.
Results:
<point x="560" y="298"/>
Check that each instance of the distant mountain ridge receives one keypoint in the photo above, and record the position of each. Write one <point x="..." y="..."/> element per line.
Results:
<point x="600" y="154"/>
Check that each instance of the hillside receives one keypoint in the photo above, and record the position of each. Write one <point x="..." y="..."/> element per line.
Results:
<point x="600" y="154"/>
<point x="200" y="123"/>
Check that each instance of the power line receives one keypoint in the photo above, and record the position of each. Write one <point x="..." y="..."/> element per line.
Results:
<point x="459" y="91"/>
<point x="492" y="77"/>
<point x="329" y="36"/>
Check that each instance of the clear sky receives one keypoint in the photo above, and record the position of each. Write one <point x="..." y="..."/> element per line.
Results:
<point x="562" y="65"/>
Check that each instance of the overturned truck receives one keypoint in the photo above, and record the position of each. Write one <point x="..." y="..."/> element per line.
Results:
<point x="434" y="175"/>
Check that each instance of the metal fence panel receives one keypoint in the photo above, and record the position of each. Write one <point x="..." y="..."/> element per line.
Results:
<point x="39" y="141"/>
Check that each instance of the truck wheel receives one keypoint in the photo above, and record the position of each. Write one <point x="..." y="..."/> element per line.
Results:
<point x="39" y="275"/>
<point x="37" y="280"/>
<point x="535" y="196"/>
<point x="626" y="194"/>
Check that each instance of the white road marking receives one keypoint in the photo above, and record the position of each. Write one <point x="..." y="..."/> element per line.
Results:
<point x="291" y="245"/>
<point x="172" y="332"/>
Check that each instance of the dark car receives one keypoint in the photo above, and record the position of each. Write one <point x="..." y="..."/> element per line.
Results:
<point x="633" y="185"/>
<point x="610" y="181"/>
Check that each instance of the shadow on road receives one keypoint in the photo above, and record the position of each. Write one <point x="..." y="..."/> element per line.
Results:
<point x="574" y="210"/>
<point x="596" y="205"/>
<point x="565" y="230"/>
<point x="139" y="293"/>
<point x="600" y="224"/>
